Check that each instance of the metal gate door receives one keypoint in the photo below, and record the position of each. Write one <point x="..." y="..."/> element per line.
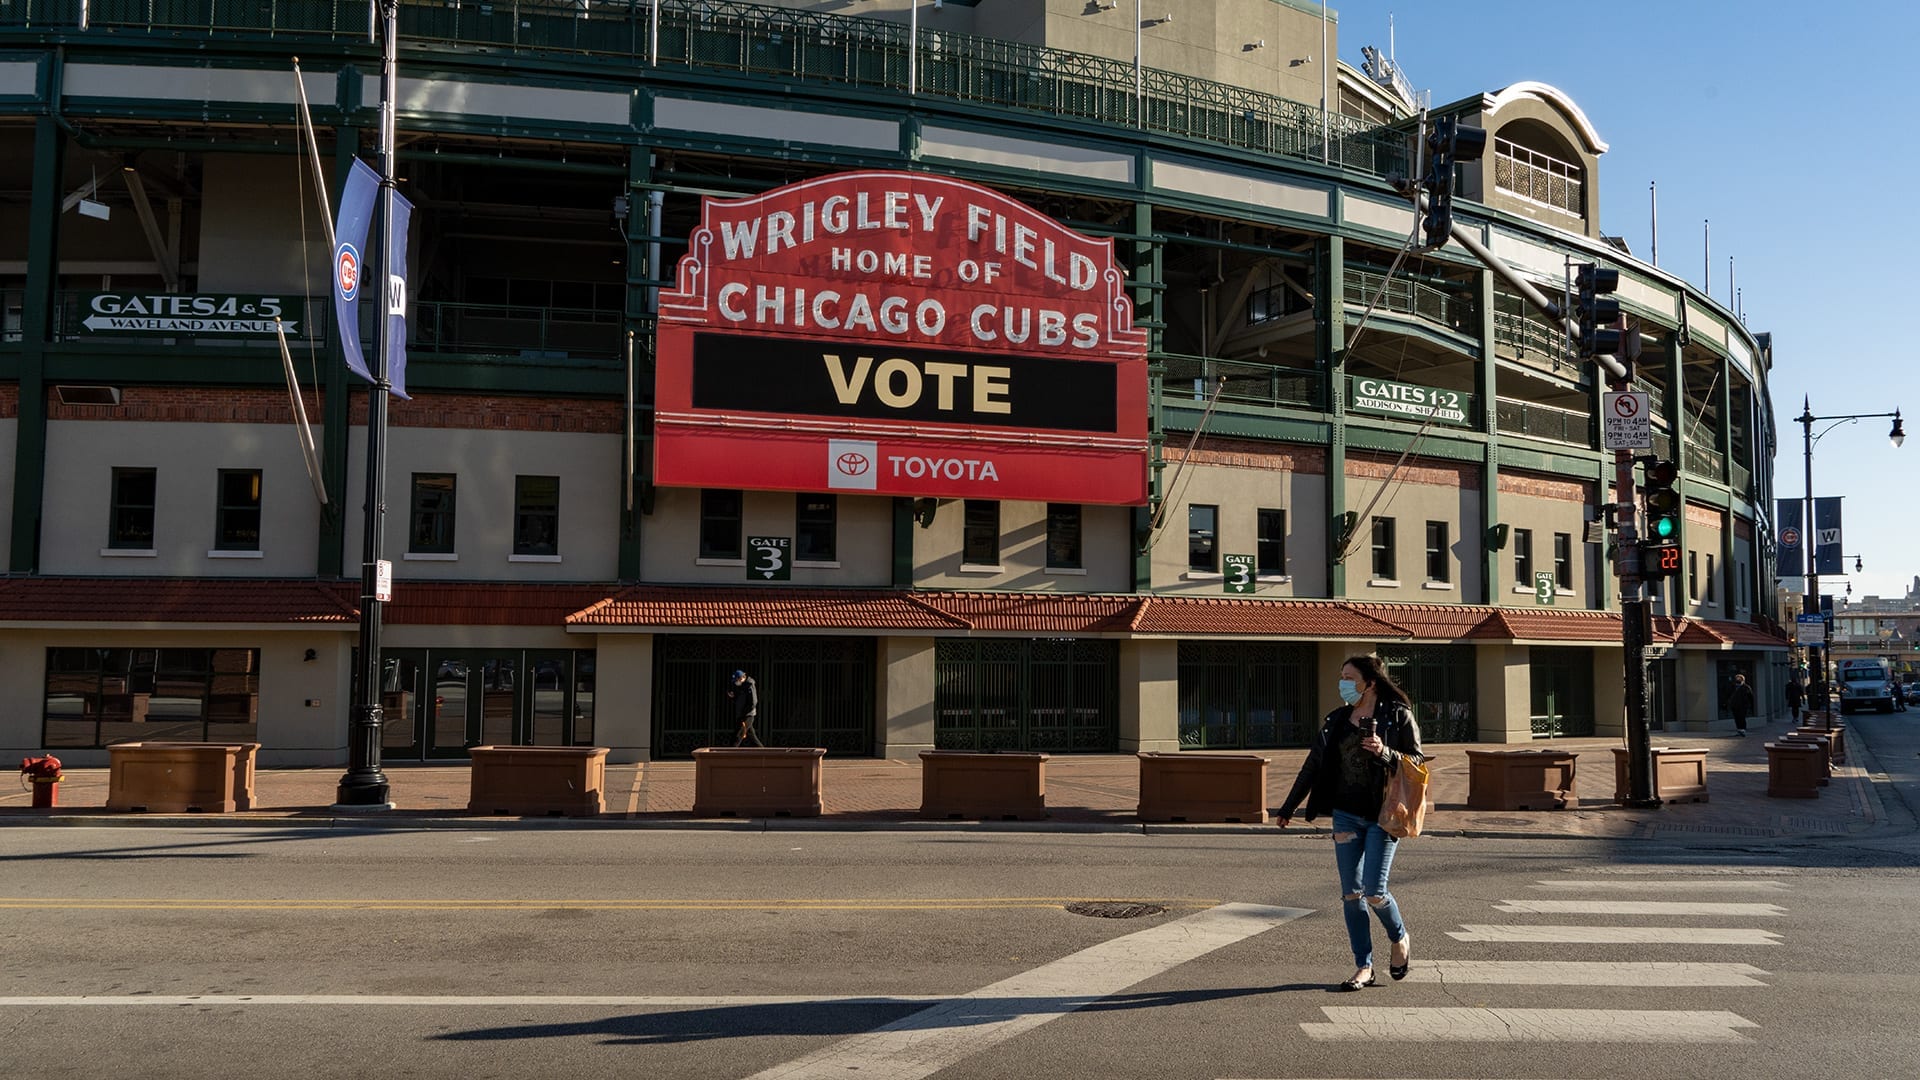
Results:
<point x="1052" y="694"/>
<point x="813" y="692"/>
<point x="1240" y="694"/>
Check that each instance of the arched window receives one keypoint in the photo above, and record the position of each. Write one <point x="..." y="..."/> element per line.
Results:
<point x="1533" y="162"/>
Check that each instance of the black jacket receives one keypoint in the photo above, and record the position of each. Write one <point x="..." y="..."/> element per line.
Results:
<point x="1321" y="771"/>
<point x="1740" y="700"/>
<point x="746" y="699"/>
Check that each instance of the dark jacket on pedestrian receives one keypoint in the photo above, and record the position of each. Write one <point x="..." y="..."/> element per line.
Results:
<point x="1795" y="694"/>
<point x="746" y="699"/>
<point x="1320" y="781"/>
<point x="1740" y="701"/>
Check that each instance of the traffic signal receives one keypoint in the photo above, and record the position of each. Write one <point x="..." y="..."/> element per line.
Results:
<point x="1663" y="501"/>
<point x="1659" y="559"/>
<point x="1448" y="143"/>
<point x="1596" y="311"/>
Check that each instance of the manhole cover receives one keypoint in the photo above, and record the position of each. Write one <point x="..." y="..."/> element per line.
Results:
<point x="1114" y="909"/>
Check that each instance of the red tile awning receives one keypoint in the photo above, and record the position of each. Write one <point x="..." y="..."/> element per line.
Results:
<point x="32" y="600"/>
<point x="1222" y="616"/>
<point x="643" y="606"/>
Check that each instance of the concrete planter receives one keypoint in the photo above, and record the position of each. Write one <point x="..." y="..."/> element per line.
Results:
<point x="748" y="781"/>
<point x="177" y="777"/>
<point x="551" y="780"/>
<point x="1203" y="787"/>
<point x="1820" y="742"/>
<point x="1679" y="774"/>
<point x="1837" y="734"/>
<point x="1793" y="770"/>
<point x="961" y="784"/>
<point x="1521" y="780"/>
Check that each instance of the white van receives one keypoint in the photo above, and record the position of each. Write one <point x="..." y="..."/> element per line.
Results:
<point x="1866" y="684"/>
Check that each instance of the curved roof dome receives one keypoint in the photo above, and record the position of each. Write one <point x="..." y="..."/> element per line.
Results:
<point x="1553" y="96"/>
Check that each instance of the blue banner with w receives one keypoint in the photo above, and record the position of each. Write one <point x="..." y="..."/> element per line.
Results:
<point x="351" y="264"/>
<point x="1826" y="532"/>
<point x="397" y="284"/>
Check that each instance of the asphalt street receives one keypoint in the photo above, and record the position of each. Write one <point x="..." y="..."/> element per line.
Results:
<point x="207" y="952"/>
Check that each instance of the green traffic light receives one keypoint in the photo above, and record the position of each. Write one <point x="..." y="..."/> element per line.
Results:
<point x="1664" y="527"/>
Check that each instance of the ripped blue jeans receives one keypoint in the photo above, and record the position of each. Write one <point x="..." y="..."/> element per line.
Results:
<point x="1364" y="852"/>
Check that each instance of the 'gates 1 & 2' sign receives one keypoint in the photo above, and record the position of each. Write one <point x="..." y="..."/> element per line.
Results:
<point x="899" y="334"/>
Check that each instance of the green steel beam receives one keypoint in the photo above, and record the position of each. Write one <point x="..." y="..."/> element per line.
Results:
<point x="36" y="312"/>
<point x="1487" y="386"/>
<point x="1332" y="350"/>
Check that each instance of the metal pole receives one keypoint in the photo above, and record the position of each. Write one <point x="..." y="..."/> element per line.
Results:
<point x="1326" y="120"/>
<point x="1706" y="255"/>
<point x="913" y="47"/>
<point x="1636" y="622"/>
<point x="1653" y="198"/>
<point x="1810" y="599"/>
<point x="1139" y="43"/>
<point x="365" y="785"/>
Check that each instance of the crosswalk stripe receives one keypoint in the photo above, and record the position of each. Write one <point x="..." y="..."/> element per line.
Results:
<point x="1528" y="1025"/>
<point x="1584" y="973"/>
<point x="518" y="1001"/>
<point x="1672" y="869"/>
<point x="1638" y="907"/>
<point x="1616" y="935"/>
<point x="1728" y="885"/>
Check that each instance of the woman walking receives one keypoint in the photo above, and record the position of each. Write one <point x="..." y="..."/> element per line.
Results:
<point x="1346" y="772"/>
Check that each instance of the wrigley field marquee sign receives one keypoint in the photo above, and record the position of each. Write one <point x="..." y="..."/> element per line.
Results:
<point x="892" y="333"/>
<point x="1405" y="401"/>
<point x="187" y="314"/>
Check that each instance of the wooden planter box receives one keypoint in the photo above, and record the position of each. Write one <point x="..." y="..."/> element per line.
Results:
<point x="1838" y="735"/>
<point x="180" y="777"/>
<point x="744" y="781"/>
<point x="1521" y="780"/>
<point x="566" y="781"/>
<point x="1679" y="775"/>
<point x="1819" y="742"/>
<point x="962" y="784"/>
<point x="1793" y="770"/>
<point x="1203" y="787"/>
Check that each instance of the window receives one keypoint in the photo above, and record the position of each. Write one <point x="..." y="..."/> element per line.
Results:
<point x="1383" y="561"/>
<point x="237" y="519"/>
<point x="1063" y="536"/>
<point x="1711" y="597"/>
<point x="1270" y="544"/>
<point x="814" y="523"/>
<point x="431" y="526"/>
<point x="96" y="697"/>
<point x="1203" y="530"/>
<point x="1563" y="560"/>
<point x="980" y="544"/>
<point x="536" y="515"/>
<point x="1523" y="557"/>
<point x="130" y="525"/>
<point x="720" y="524"/>
<point x="1438" y="565"/>
<point x="1693" y="575"/>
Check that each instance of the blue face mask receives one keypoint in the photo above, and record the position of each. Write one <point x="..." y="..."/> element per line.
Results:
<point x="1349" y="691"/>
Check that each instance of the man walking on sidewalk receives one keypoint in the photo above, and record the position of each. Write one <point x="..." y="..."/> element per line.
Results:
<point x="1796" y="695"/>
<point x="746" y="706"/>
<point x="1740" y="703"/>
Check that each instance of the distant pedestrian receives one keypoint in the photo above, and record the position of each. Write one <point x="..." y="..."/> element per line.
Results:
<point x="1796" y="698"/>
<point x="746" y="707"/>
<point x="1346" y="771"/>
<point x="1899" y="695"/>
<point x="1740" y="703"/>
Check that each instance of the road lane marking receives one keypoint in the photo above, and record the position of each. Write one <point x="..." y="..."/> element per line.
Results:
<point x="1528" y="1025"/>
<point x="1585" y="973"/>
<point x="1751" y="884"/>
<point x="576" y="903"/>
<point x="1639" y="907"/>
<point x="440" y="1000"/>
<point x="933" y="1039"/>
<point x="1616" y="935"/>
<point x="1671" y="869"/>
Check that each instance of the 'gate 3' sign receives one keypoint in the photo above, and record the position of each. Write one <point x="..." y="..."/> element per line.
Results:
<point x="900" y="334"/>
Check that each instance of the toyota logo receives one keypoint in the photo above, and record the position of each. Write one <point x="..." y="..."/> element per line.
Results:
<point x="852" y="464"/>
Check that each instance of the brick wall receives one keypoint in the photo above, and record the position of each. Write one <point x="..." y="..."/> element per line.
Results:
<point x="9" y="401"/>
<point x="1537" y="486"/>
<point x="192" y="405"/>
<point x="497" y="413"/>
<point x="254" y="405"/>
<point x="1416" y="470"/>
<point x="1247" y="454"/>
<point x="1705" y="516"/>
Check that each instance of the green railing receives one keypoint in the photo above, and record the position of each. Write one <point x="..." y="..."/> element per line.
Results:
<point x="1536" y="344"/>
<point x="1544" y="422"/>
<point x="1264" y="385"/>
<point x="10" y="316"/>
<point x="1742" y="481"/>
<point x="1405" y="297"/>
<point x="532" y="333"/>
<point x="845" y="50"/>
<point x="1705" y="463"/>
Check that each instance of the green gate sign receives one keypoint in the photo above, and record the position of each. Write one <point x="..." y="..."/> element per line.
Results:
<point x="188" y="314"/>
<point x="1405" y="401"/>
<point x="1239" y="572"/>
<point x="769" y="558"/>
<point x="1543" y="587"/>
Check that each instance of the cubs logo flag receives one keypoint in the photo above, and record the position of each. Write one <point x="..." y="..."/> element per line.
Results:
<point x="349" y="260"/>
<point x="1789" y="547"/>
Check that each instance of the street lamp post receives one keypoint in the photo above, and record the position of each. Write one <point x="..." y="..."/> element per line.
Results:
<point x="1810" y="603"/>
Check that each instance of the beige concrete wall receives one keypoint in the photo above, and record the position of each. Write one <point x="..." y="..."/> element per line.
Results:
<point x="1545" y="517"/>
<point x="1411" y="506"/>
<point x="1704" y="542"/>
<point x="485" y="464"/>
<point x="623" y="695"/>
<point x="1479" y="176"/>
<point x="81" y="457"/>
<point x="1503" y="678"/>
<point x="1106" y="557"/>
<point x="291" y="731"/>
<point x="1240" y="494"/>
<point x="1609" y="692"/>
<point x="670" y="539"/>
<point x="250" y="227"/>
<point x="903" y="698"/>
<point x="1150" y="713"/>
<point x="1696" y="696"/>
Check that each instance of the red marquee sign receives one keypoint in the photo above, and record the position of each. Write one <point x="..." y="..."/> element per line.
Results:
<point x="893" y="333"/>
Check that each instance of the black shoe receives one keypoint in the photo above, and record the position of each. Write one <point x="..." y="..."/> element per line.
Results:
<point x="1399" y="971"/>
<point x="1357" y="984"/>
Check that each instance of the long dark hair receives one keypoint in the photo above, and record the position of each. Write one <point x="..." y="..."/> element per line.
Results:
<point x="1374" y="674"/>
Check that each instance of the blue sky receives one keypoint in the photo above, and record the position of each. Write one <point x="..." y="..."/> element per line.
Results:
<point x="1777" y="123"/>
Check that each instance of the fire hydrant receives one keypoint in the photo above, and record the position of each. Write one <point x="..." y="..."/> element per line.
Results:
<point x="45" y="776"/>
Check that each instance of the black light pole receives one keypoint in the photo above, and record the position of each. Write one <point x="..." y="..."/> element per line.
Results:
<point x="1810" y="599"/>
<point x="365" y="785"/>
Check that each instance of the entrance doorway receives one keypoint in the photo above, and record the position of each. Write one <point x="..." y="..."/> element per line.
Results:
<point x="442" y="702"/>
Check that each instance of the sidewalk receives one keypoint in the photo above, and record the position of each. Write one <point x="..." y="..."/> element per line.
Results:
<point x="1084" y="793"/>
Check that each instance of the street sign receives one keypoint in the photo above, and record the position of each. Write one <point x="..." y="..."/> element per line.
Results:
<point x="1239" y="572"/>
<point x="383" y="581"/>
<point x="1543" y="587"/>
<point x="1624" y="421"/>
<point x="769" y="558"/>
<point x="238" y="315"/>
<point x="1809" y="627"/>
